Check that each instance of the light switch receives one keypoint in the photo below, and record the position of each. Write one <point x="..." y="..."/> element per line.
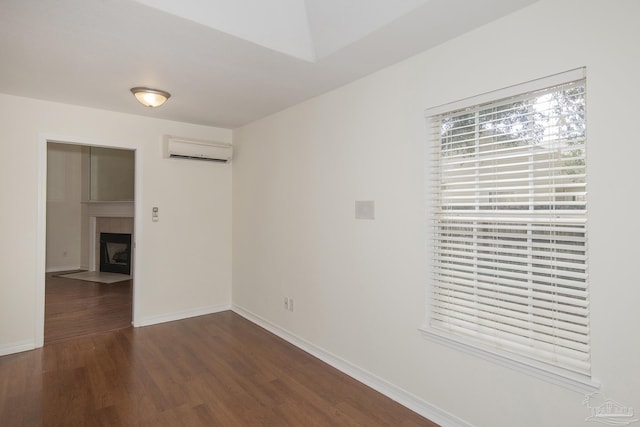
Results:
<point x="154" y="214"/>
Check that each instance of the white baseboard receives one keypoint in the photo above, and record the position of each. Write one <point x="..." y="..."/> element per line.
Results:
<point x="17" y="347"/>
<point x="29" y="345"/>
<point x="393" y="392"/>
<point x="179" y="315"/>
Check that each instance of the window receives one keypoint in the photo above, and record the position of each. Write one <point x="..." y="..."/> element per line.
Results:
<point x="508" y="233"/>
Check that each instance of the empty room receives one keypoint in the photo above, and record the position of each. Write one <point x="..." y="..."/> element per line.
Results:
<point x="337" y="212"/>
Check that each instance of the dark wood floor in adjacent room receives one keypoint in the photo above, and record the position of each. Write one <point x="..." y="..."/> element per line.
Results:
<point x="75" y="308"/>
<point x="214" y="370"/>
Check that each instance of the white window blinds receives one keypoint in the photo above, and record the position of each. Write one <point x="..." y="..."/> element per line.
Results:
<point x="509" y="249"/>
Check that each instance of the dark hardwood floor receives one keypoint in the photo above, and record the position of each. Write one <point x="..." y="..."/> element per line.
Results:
<point x="75" y="308"/>
<point x="214" y="370"/>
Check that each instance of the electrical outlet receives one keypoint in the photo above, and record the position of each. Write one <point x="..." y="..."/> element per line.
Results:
<point x="286" y="303"/>
<point x="290" y="304"/>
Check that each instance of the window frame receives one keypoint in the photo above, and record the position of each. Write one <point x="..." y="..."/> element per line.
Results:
<point x="555" y="374"/>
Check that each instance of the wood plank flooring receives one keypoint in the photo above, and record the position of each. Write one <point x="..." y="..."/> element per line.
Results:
<point x="76" y="308"/>
<point x="214" y="370"/>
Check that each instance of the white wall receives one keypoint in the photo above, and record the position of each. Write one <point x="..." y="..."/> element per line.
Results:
<point x="184" y="260"/>
<point x="359" y="286"/>
<point x="64" y="211"/>
<point x="112" y="174"/>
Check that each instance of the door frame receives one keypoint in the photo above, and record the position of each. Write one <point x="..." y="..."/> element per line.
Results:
<point x="41" y="228"/>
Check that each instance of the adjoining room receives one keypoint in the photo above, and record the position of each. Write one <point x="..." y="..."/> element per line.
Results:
<point x="90" y="200"/>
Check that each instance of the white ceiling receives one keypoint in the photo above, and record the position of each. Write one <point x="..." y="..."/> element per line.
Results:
<point x="225" y="62"/>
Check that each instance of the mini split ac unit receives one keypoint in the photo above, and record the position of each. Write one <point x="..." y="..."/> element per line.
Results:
<point x="185" y="148"/>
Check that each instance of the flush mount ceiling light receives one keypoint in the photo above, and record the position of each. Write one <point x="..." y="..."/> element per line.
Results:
<point x="150" y="97"/>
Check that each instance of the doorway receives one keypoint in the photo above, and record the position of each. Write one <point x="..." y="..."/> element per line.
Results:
<point x="90" y="193"/>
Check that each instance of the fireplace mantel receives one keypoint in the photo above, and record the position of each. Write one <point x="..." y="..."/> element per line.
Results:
<point x="110" y="209"/>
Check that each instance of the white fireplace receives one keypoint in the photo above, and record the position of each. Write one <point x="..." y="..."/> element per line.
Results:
<point x="108" y="217"/>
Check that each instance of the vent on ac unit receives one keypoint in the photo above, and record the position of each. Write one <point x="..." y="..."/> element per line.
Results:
<point x="185" y="148"/>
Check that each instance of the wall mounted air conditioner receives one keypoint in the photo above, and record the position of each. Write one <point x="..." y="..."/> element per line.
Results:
<point x="185" y="148"/>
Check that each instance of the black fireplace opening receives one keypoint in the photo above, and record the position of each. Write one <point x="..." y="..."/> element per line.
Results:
<point x="115" y="253"/>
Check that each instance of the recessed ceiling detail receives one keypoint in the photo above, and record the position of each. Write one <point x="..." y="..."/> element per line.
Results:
<point x="305" y="29"/>
<point x="280" y="25"/>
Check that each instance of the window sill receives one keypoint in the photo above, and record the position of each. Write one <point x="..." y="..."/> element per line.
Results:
<point x="562" y="377"/>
